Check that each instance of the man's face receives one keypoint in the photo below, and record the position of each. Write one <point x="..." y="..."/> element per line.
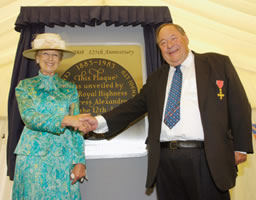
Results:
<point x="173" y="45"/>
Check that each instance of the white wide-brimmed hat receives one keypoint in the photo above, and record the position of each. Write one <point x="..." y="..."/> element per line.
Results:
<point x="51" y="41"/>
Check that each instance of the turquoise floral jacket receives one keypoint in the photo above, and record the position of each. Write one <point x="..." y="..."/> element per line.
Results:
<point x="43" y="102"/>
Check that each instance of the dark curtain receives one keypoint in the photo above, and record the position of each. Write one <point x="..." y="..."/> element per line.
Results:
<point x="32" y="20"/>
<point x="153" y="55"/>
<point x="23" y="68"/>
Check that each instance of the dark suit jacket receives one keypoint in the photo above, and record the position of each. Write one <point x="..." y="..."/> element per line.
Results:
<point x="226" y="122"/>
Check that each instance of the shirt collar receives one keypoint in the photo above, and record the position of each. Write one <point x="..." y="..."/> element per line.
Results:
<point x="187" y="62"/>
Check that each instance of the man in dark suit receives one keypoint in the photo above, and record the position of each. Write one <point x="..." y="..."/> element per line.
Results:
<point x="197" y="158"/>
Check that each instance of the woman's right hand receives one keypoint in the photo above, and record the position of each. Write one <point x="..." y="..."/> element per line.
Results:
<point x="75" y="122"/>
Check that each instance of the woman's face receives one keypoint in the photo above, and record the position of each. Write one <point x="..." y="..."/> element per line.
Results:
<point x="48" y="60"/>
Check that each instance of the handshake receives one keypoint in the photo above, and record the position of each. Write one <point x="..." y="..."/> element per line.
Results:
<point x="82" y="122"/>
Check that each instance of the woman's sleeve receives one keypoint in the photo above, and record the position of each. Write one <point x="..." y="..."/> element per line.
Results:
<point x="43" y="122"/>
<point x="77" y="138"/>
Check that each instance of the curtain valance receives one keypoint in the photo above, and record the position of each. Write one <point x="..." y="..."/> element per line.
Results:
<point x="92" y="15"/>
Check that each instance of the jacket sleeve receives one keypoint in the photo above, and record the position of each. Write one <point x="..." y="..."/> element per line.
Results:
<point x="239" y="111"/>
<point x="120" y="117"/>
<point x="43" y="122"/>
<point x="77" y="138"/>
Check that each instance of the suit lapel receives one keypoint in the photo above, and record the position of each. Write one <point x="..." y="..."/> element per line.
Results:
<point x="161" y="88"/>
<point x="202" y="78"/>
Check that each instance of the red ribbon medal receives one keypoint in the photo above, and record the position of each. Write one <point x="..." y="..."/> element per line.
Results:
<point x="220" y="84"/>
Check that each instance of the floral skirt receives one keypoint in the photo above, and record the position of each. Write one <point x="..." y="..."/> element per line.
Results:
<point x="44" y="177"/>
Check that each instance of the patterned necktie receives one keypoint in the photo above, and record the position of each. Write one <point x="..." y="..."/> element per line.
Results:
<point x="172" y="110"/>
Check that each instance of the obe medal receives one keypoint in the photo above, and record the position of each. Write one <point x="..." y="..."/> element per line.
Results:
<point x="220" y="84"/>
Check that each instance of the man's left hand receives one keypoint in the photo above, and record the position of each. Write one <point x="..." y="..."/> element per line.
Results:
<point x="240" y="157"/>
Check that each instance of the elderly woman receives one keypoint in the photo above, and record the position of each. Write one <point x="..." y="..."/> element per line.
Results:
<point x="50" y="153"/>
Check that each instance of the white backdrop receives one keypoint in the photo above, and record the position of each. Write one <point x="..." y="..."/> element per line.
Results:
<point x="131" y="143"/>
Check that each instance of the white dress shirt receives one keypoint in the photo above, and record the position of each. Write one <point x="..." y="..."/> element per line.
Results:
<point x="190" y="126"/>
